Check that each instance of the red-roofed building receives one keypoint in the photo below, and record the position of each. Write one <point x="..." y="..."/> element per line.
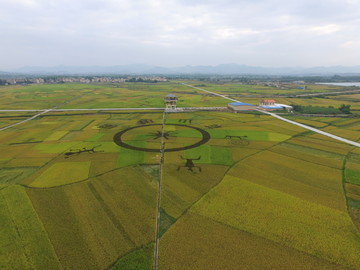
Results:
<point x="267" y="102"/>
<point x="270" y="105"/>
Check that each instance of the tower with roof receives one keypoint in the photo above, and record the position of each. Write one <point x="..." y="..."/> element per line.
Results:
<point x="170" y="102"/>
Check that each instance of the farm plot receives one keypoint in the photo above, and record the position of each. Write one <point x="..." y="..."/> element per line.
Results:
<point x="323" y="143"/>
<point x="62" y="173"/>
<point x="24" y="242"/>
<point x="15" y="175"/>
<point x="138" y="259"/>
<point x="181" y="187"/>
<point x="9" y="118"/>
<point x="38" y="96"/>
<point x="316" y="183"/>
<point x="352" y="186"/>
<point x="143" y="95"/>
<point x="199" y="242"/>
<point x="296" y="223"/>
<point x="102" y="219"/>
<point x="309" y="154"/>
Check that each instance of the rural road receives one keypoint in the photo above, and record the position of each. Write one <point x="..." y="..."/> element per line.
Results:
<point x="100" y="109"/>
<point x="329" y="93"/>
<point x="68" y="110"/>
<point x="300" y="95"/>
<point x="287" y="120"/>
<point x="26" y="120"/>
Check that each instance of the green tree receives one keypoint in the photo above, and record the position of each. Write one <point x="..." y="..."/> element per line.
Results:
<point x="345" y="108"/>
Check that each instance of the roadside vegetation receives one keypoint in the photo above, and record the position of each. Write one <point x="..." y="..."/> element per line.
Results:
<point x="343" y="109"/>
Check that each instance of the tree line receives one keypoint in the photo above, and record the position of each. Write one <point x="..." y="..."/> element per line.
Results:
<point x="342" y="109"/>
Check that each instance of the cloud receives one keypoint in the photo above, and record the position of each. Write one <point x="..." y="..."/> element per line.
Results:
<point x="326" y="29"/>
<point x="176" y="32"/>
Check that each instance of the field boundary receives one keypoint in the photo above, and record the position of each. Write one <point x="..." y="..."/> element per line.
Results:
<point x="117" y="224"/>
<point x="158" y="205"/>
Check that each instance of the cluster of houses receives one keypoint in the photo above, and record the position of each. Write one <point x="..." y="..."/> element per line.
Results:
<point x="80" y="79"/>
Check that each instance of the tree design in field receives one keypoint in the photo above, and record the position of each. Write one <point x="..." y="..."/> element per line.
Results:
<point x="77" y="152"/>
<point x="159" y="134"/>
<point x="189" y="164"/>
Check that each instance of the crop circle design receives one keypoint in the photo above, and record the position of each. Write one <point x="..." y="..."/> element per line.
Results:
<point x="118" y="139"/>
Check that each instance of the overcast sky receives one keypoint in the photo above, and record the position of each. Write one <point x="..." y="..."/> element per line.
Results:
<point x="179" y="32"/>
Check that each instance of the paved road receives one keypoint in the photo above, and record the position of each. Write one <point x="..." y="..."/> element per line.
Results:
<point x="347" y="92"/>
<point x="216" y="94"/>
<point x="120" y="109"/>
<point x="69" y="110"/>
<point x="100" y="109"/>
<point x="313" y="129"/>
<point x="287" y="120"/>
<point x="329" y="93"/>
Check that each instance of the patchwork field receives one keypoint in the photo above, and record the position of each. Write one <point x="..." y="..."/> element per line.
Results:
<point x="79" y="190"/>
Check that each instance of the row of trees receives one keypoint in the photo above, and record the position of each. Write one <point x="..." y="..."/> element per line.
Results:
<point x="342" y="109"/>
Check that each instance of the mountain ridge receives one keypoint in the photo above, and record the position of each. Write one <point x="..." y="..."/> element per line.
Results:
<point x="221" y="69"/>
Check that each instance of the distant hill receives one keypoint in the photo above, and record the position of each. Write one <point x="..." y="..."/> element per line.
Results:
<point x="223" y="69"/>
<point x="4" y="74"/>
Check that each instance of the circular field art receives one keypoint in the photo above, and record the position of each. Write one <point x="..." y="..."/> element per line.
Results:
<point x="175" y="136"/>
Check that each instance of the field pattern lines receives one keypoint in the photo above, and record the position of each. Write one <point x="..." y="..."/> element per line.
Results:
<point x="110" y="214"/>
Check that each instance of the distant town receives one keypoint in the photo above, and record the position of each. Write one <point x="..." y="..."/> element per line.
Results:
<point x="75" y="79"/>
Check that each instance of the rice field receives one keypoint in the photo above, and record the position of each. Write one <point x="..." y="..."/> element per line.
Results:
<point x="24" y="241"/>
<point x="236" y="189"/>
<point x="199" y="242"/>
<point x="318" y="230"/>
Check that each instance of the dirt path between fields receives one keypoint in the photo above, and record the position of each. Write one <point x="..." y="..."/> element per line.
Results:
<point x="158" y="204"/>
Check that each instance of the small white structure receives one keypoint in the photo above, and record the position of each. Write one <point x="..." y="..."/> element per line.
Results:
<point x="285" y="107"/>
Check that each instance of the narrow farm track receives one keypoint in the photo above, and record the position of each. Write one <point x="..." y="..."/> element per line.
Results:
<point x="158" y="204"/>
<point x="287" y="120"/>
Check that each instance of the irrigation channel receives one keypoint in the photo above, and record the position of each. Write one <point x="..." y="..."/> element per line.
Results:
<point x="158" y="204"/>
<point x="285" y="120"/>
